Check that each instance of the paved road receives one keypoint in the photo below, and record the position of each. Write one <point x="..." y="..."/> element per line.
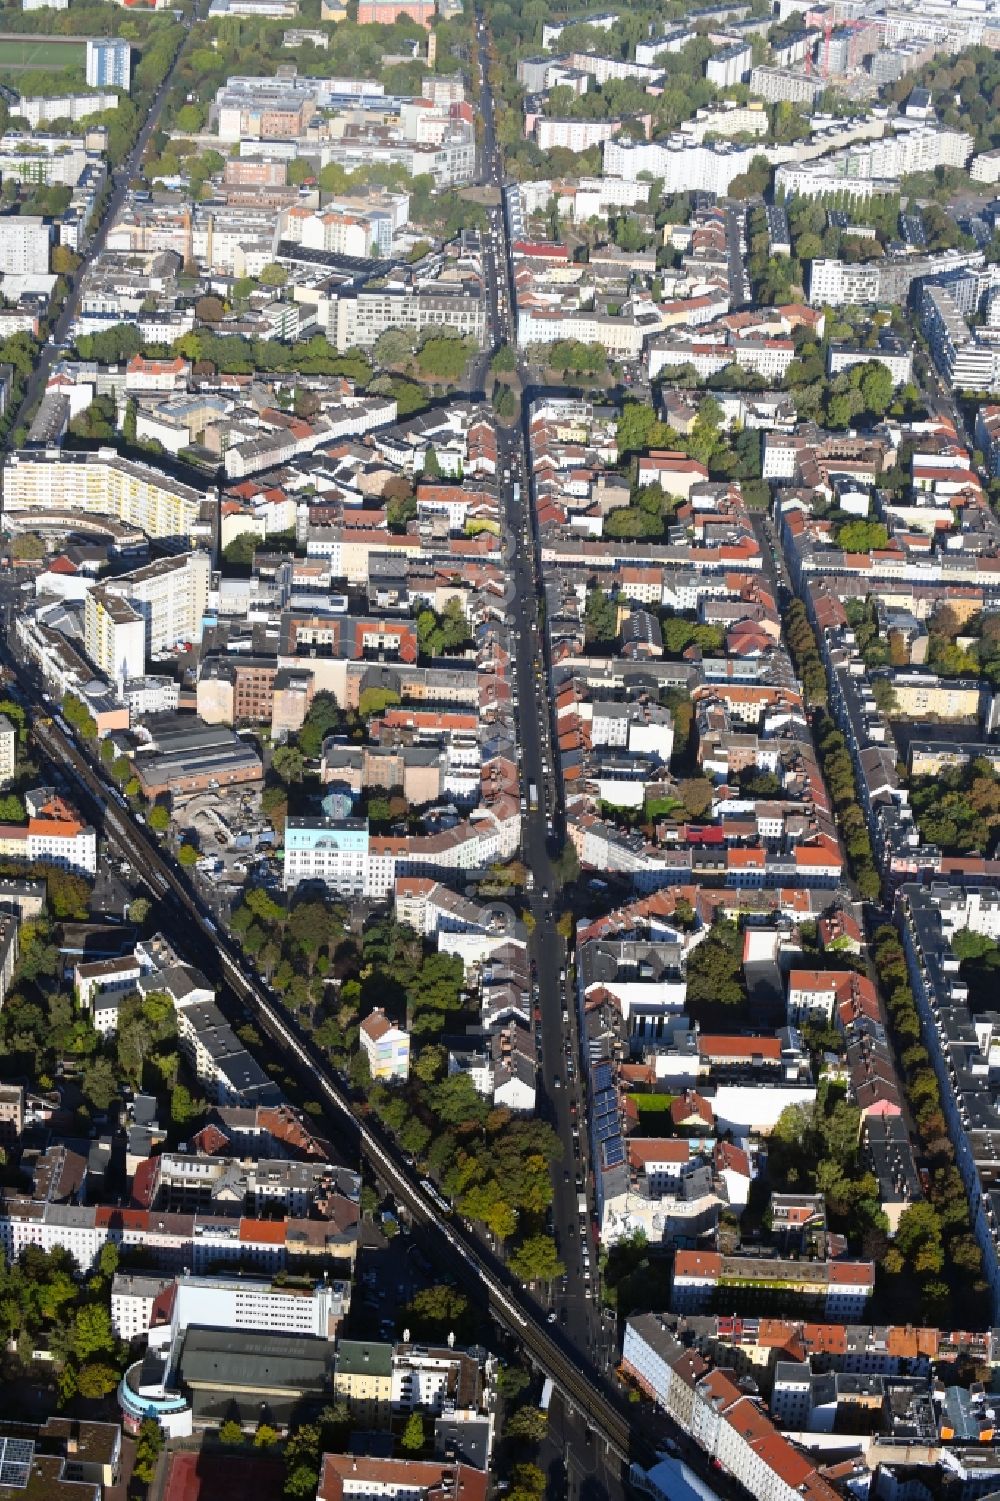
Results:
<point x="576" y="1467"/>
<point x="52" y="350"/>
<point x="775" y="570"/>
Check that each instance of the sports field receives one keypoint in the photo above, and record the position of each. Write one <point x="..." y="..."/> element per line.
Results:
<point x="18" y="53"/>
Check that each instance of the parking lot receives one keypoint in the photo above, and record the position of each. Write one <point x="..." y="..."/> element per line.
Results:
<point x="389" y="1271"/>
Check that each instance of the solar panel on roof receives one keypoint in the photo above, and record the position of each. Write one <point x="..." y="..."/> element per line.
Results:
<point x="603" y="1078"/>
<point x="16" y="1458"/>
<point x="607" y="1127"/>
<point x="614" y="1152"/>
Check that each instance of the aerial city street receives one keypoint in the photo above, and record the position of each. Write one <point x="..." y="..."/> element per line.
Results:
<point x="499" y="750"/>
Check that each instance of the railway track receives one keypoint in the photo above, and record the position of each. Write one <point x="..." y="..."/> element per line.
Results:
<point x="585" y="1389"/>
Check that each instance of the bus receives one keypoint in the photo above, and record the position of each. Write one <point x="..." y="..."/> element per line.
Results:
<point x="533" y="796"/>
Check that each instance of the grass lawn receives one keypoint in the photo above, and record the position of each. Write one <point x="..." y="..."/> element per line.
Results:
<point x="41" y="52"/>
<point x="652" y="1104"/>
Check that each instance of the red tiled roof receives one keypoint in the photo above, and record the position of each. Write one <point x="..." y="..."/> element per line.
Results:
<point x="270" y="1232"/>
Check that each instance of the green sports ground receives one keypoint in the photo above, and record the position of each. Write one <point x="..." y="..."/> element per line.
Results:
<point x="18" y="53"/>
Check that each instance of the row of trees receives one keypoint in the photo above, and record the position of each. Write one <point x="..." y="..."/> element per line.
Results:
<point x="834" y="757"/>
<point x="229" y="354"/>
<point x="933" y="1247"/>
<point x="838" y="773"/>
<point x="801" y="640"/>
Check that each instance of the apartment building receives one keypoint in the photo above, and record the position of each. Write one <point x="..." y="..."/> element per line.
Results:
<point x="52" y="835"/>
<point x="985" y="167"/>
<point x="622" y="337"/>
<point x="685" y="166"/>
<point x="53" y="161"/>
<point x="963" y="359"/>
<point x="227" y="1072"/>
<point x="133" y="1299"/>
<point x="838" y="1289"/>
<point x="54" y="485"/>
<point x="164" y="1307"/>
<point x="363" y="1379"/>
<point x="334" y="851"/>
<point x="101" y="986"/>
<point x="197" y="1242"/>
<point x="730" y="65"/>
<point x="62" y="1459"/>
<point x="114" y="636"/>
<point x="385" y="12"/>
<point x="988" y="436"/>
<point x="358" y="318"/>
<point x="386" y="1046"/>
<point x="891" y="353"/>
<point x="9" y="926"/>
<point x="273" y="111"/>
<point x="170" y="596"/>
<point x="876" y="165"/>
<point x="573" y="135"/>
<point x="674" y="40"/>
<point x="40" y="110"/>
<point x="25" y="240"/>
<point x="752" y="1343"/>
<point x="815" y="994"/>
<point x="338" y="233"/>
<point x="838" y="283"/>
<point x="778" y="85"/>
<point x="344" y="1476"/>
<point x="922" y="694"/>
<point x="108" y="63"/>
<point x="11" y="1113"/>
<point x="729" y="1426"/>
<point x="8" y="749"/>
<point x="728" y="119"/>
